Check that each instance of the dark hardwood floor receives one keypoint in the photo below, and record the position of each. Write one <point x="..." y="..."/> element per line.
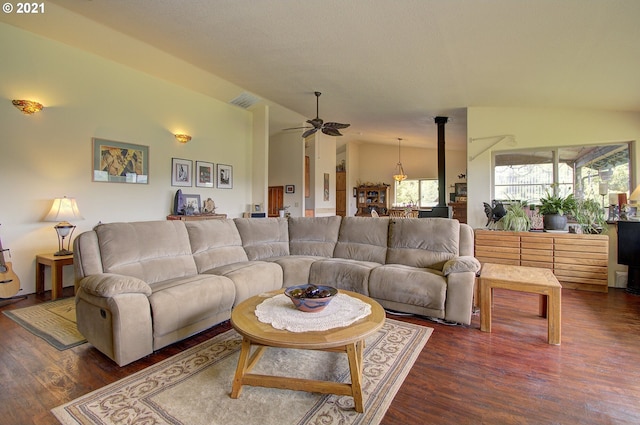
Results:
<point x="463" y="375"/>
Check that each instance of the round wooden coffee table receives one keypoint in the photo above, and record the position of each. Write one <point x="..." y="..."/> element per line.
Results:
<point x="348" y="339"/>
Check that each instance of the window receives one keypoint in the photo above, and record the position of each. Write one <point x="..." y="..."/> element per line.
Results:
<point x="589" y="172"/>
<point x="418" y="192"/>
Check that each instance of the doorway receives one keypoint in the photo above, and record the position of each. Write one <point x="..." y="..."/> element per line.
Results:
<point x="276" y="200"/>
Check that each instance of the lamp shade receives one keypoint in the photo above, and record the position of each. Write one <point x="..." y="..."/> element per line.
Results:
<point x="63" y="209"/>
<point x="635" y="195"/>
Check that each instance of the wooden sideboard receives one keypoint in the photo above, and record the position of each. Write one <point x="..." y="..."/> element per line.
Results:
<point x="578" y="261"/>
<point x="196" y="217"/>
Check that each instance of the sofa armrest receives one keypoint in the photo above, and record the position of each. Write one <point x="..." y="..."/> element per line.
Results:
<point x="461" y="264"/>
<point x="108" y="285"/>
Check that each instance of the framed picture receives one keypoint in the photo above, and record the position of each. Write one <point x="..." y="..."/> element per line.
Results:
<point x="204" y="174"/>
<point x="181" y="172"/>
<point x="191" y="204"/>
<point x="461" y="189"/>
<point x="225" y="176"/>
<point x="120" y="162"/>
<point x="256" y="208"/>
<point x="290" y="188"/>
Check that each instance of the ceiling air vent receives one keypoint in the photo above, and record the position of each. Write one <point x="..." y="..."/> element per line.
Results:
<point x="245" y="100"/>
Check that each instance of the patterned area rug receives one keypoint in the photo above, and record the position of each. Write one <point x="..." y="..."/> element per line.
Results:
<point x="53" y="321"/>
<point x="193" y="387"/>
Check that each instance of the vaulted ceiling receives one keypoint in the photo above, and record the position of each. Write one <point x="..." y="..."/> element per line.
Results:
<point x="389" y="67"/>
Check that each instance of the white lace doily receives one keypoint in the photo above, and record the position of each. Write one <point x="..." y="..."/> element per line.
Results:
<point x="342" y="311"/>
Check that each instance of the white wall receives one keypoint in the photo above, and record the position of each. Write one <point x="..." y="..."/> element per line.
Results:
<point x="286" y="167"/>
<point x="48" y="155"/>
<point x="322" y="157"/>
<point x="259" y="169"/>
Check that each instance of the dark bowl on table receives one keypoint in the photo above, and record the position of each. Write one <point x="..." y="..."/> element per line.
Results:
<point x="311" y="298"/>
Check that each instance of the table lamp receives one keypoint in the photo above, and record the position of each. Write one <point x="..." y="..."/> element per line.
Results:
<point x="63" y="210"/>
<point x="603" y="189"/>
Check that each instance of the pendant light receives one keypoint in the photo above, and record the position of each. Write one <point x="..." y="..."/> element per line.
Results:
<point x="399" y="174"/>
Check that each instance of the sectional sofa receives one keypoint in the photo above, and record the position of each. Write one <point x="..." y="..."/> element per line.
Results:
<point x="141" y="286"/>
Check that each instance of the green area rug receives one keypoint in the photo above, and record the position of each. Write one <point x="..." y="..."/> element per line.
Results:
<point x="193" y="387"/>
<point x="53" y="321"/>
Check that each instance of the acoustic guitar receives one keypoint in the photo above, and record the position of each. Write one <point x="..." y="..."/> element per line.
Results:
<point x="9" y="282"/>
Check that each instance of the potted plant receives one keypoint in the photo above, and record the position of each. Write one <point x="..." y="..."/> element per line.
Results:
<point x="554" y="209"/>
<point x="590" y="216"/>
<point x="516" y="218"/>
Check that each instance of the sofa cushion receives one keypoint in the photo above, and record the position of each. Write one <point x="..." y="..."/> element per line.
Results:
<point x="251" y="277"/>
<point x="215" y="243"/>
<point x="264" y="238"/>
<point x="295" y="268"/>
<point x="363" y="238"/>
<point x="152" y="251"/>
<point x="421" y="287"/>
<point x="423" y="242"/>
<point x="315" y="236"/>
<point x="342" y="273"/>
<point x="179" y="306"/>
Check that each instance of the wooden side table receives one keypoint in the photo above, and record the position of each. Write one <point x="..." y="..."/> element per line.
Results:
<point x="56" y="263"/>
<point x="524" y="279"/>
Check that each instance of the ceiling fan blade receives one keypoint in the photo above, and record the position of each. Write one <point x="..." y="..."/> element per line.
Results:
<point x="336" y="125"/>
<point x="330" y="131"/>
<point x="295" y="128"/>
<point x="309" y="132"/>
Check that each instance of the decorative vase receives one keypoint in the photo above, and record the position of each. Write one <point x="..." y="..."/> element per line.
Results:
<point x="554" y="222"/>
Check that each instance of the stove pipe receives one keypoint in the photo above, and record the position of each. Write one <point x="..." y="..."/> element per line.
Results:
<point x="442" y="184"/>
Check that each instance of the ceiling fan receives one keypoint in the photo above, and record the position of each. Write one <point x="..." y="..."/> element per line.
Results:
<point x="328" y="128"/>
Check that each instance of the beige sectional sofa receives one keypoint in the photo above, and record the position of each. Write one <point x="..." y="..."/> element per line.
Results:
<point x="144" y="285"/>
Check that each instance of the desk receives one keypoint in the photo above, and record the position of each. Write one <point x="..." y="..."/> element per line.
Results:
<point x="524" y="279"/>
<point x="56" y="263"/>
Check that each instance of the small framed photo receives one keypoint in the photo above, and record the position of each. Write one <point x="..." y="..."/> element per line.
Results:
<point x="204" y="174"/>
<point x="181" y="172"/>
<point x="290" y="188"/>
<point x="120" y="162"/>
<point x="191" y="204"/>
<point x="256" y="208"/>
<point x="224" y="176"/>
<point x="461" y="189"/>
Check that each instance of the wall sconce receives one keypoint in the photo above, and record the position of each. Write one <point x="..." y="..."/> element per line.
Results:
<point x="183" y="138"/>
<point x="28" y="107"/>
<point x="63" y="210"/>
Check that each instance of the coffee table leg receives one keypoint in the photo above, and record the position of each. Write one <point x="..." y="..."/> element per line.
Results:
<point x="354" y="353"/>
<point x="242" y="367"/>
